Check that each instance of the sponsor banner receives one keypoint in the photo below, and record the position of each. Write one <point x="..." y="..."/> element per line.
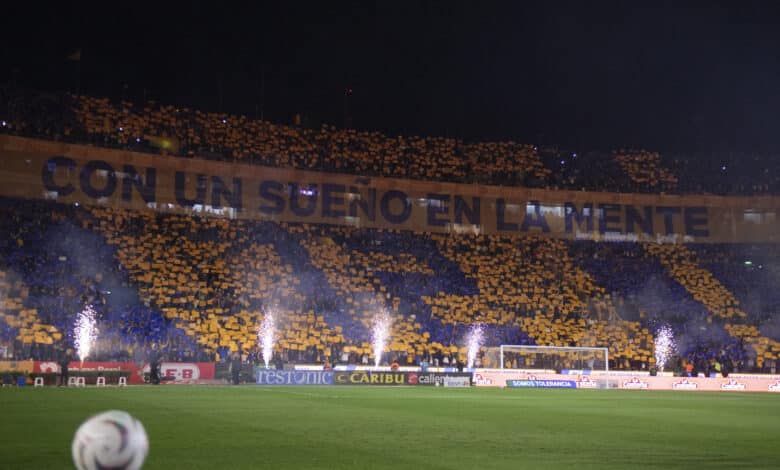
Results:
<point x="697" y="384"/>
<point x="76" y="366"/>
<point x="499" y="377"/>
<point x="362" y="377"/>
<point x="584" y="381"/>
<point x="612" y="373"/>
<point x="733" y="384"/>
<point x="294" y="377"/>
<point x="543" y="383"/>
<point x="634" y="383"/>
<point x="69" y="173"/>
<point x="741" y="375"/>
<point x="370" y="378"/>
<point x="639" y="381"/>
<point x="21" y="366"/>
<point x="185" y="371"/>
<point x="450" y="381"/>
<point x="182" y="371"/>
<point x="437" y="379"/>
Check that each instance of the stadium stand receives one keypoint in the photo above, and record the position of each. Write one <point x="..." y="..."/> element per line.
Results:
<point x="197" y="286"/>
<point x="180" y="131"/>
<point x="646" y="170"/>
<point x="202" y="283"/>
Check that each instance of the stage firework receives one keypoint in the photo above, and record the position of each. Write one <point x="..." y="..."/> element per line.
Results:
<point x="380" y="334"/>
<point x="85" y="332"/>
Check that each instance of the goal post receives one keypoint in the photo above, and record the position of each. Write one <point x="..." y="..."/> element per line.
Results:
<point x="592" y="362"/>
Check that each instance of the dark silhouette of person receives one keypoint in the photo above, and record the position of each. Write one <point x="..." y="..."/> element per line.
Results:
<point x="235" y="367"/>
<point x="64" y="362"/>
<point x="154" y="368"/>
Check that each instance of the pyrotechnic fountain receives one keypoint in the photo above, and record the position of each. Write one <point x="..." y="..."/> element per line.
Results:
<point x="265" y="336"/>
<point x="85" y="332"/>
<point x="664" y="346"/>
<point x="380" y="334"/>
<point x="474" y="342"/>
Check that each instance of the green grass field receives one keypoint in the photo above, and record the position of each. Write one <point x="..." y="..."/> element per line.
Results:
<point x="422" y="428"/>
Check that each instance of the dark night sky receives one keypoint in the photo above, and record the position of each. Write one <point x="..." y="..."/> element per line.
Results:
<point x="676" y="76"/>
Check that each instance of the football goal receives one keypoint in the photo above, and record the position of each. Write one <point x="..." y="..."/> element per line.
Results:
<point x="589" y="362"/>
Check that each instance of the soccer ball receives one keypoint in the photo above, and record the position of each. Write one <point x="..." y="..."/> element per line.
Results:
<point x="112" y="439"/>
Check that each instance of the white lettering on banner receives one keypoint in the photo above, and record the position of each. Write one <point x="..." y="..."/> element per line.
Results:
<point x="48" y="367"/>
<point x="684" y="384"/>
<point x="635" y="383"/>
<point x="741" y="375"/>
<point x="179" y="370"/>
<point x="294" y="377"/>
<point x="457" y="382"/>
<point x="479" y="379"/>
<point x="584" y="381"/>
<point x="763" y="383"/>
<point x="732" y="385"/>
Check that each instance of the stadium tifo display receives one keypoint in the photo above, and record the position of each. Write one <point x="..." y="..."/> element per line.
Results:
<point x="210" y="280"/>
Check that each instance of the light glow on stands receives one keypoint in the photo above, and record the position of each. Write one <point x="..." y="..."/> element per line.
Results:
<point x="85" y="332"/>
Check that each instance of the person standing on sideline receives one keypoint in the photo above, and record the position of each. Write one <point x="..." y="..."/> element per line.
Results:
<point x="235" y="367"/>
<point x="154" y="367"/>
<point x="63" y="363"/>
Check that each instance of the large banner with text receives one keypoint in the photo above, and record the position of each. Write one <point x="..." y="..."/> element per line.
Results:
<point x="626" y="380"/>
<point x="362" y="377"/>
<point x="89" y="175"/>
<point x="175" y="371"/>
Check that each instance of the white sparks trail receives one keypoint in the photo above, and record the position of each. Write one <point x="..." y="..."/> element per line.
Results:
<point x="265" y="336"/>
<point x="85" y="332"/>
<point x="474" y="342"/>
<point x="664" y="346"/>
<point x="380" y="334"/>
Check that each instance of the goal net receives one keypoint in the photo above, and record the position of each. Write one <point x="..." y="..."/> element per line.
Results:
<point x="591" y="363"/>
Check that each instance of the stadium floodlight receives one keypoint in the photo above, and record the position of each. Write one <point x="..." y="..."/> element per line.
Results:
<point x="591" y="362"/>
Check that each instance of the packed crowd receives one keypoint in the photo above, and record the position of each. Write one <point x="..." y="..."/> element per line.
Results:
<point x="180" y="131"/>
<point x="647" y="171"/>
<point x="198" y="287"/>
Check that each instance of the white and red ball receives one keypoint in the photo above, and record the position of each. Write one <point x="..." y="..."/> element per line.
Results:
<point x="112" y="439"/>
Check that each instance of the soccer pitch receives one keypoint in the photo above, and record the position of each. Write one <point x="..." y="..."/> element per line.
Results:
<point x="407" y="427"/>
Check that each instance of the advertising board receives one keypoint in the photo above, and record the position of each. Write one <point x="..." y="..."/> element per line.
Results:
<point x="639" y="381"/>
<point x="180" y="371"/>
<point x="540" y="383"/>
<point x="362" y="377"/>
<point x="369" y="377"/>
<point x="294" y="377"/>
<point x="438" y="379"/>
